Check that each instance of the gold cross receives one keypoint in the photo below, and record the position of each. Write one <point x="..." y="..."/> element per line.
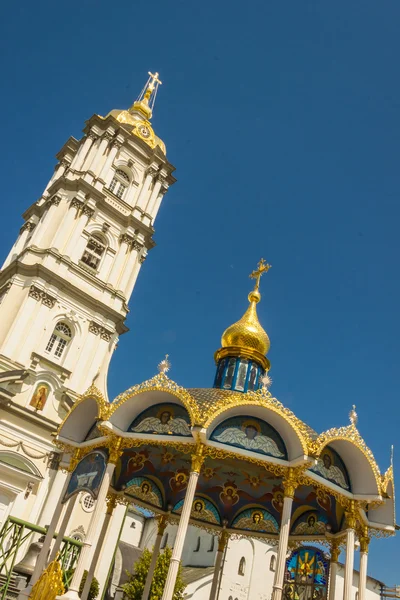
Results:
<point x="263" y="267"/>
<point x="154" y="79"/>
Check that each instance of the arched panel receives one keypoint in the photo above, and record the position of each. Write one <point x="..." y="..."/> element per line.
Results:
<point x="310" y="523"/>
<point x="145" y="489"/>
<point x="251" y="434"/>
<point x="162" y="419"/>
<point x="330" y="466"/>
<point x="80" y="420"/>
<point x="19" y="462"/>
<point x="202" y="510"/>
<point x="307" y="574"/>
<point x="256" y="519"/>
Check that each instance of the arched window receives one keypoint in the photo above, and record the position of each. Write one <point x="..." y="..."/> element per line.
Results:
<point x="94" y="252"/>
<point x="198" y="545"/>
<point x="212" y="544"/>
<point x="59" y="339"/>
<point x="242" y="566"/>
<point x="119" y="183"/>
<point x="72" y="553"/>
<point x="272" y="563"/>
<point x="356" y="595"/>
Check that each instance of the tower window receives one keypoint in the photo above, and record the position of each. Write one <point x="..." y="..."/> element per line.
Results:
<point x="242" y="566"/>
<point x="272" y="563"/>
<point x="59" y="339"/>
<point x="198" y="545"/>
<point x="94" y="252"/>
<point x="212" y="543"/>
<point x="119" y="183"/>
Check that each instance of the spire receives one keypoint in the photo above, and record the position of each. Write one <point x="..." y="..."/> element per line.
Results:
<point x="147" y="97"/>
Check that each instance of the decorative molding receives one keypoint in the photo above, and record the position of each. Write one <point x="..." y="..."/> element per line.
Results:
<point x="87" y="211"/>
<point x="108" y="136"/>
<point x="54" y="200"/>
<point x="64" y="163"/>
<point x="42" y="296"/>
<point x="97" y="329"/>
<point x="29" y="225"/>
<point x="93" y="136"/>
<point x="126" y="239"/>
<point x="151" y="171"/>
<point x="136" y="245"/>
<point x="76" y="203"/>
<point x="143" y="257"/>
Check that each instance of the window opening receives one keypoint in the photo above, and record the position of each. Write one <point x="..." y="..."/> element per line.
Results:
<point x="119" y="183"/>
<point x="59" y="339"/>
<point x="94" y="252"/>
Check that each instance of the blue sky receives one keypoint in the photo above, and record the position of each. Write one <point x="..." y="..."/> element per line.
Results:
<point x="282" y="119"/>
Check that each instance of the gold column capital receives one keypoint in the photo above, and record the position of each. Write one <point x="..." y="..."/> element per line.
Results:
<point x="351" y="515"/>
<point x="290" y="483"/>
<point x="223" y="540"/>
<point x="335" y="551"/>
<point x="364" y="540"/>
<point x="111" y="501"/>
<point x="115" y="450"/>
<point x="162" y="524"/>
<point x="198" y="458"/>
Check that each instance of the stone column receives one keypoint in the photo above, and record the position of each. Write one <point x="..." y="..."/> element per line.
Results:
<point x="333" y="568"/>
<point x="42" y="558"/>
<point x="157" y="204"/>
<point x="116" y="145"/>
<point x="125" y="241"/>
<point x="62" y="529"/>
<point x="197" y="461"/>
<point x="85" y="214"/>
<point x="83" y="150"/>
<point x="47" y="217"/>
<point x="162" y="523"/>
<point x="100" y="152"/>
<point x="73" y="591"/>
<point x="111" y="504"/>
<point x="223" y="540"/>
<point x="154" y="195"/>
<point x="135" y="248"/>
<point x="55" y="488"/>
<point x="60" y="169"/>
<point x="362" y="581"/>
<point x="289" y="486"/>
<point x="20" y="243"/>
<point x="350" y="540"/>
<point x="135" y="273"/>
<point x="141" y="201"/>
<point x="67" y="224"/>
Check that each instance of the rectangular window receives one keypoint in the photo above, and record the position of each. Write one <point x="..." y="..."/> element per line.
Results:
<point x="51" y="341"/>
<point x="60" y="347"/>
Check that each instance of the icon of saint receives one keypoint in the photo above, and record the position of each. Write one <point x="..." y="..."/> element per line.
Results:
<point x="327" y="469"/>
<point x="40" y="396"/>
<point x="163" y="423"/>
<point x="249" y="437"/>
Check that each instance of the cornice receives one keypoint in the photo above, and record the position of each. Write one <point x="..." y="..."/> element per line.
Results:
<point x="39" y="270"/>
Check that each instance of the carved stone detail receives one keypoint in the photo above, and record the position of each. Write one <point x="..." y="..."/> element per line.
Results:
<point x="87" y="211"/>
<point x="93" y="136"/>
<point x="108" y="136"/>
<point x="54" y="200"/>
<point x="64" y="163"/>
<point x="126" y="239"/>
<point x="29" y="225"/>
<point x="97" y="329"/>
<point x="41" y="296"/>
<point x="136" y="245"/>
<point x="76" y="203"/>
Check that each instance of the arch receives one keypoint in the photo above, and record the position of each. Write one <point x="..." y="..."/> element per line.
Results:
<point x="294" y="439"/>
<point x="109" y="239"/>
<point x="254" y="435"/>
<point x="255" y="519"/>
<point x="145" y="489"/>
<point x="90" y="408"/>
<point x="242" y="566"/>
<point x="122" y="164"/>
<point x="17" y="461"/>
<point x="272" y="563"/>
<point x="330" y="466"/>
<point x="202" y="510"/>
<point x="155" y="391"/>
<point x="94" y="251"/>
<point x="317" y="569"/>
<point x="384" y="516"/>
<point x="358" y="459"/>
<point x="310" y="522"/>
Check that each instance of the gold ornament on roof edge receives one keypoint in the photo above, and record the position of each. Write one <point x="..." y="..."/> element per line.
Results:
<point x="247" y="333"/>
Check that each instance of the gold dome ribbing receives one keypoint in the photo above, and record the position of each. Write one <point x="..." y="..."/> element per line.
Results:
<point x="247" y="333"/>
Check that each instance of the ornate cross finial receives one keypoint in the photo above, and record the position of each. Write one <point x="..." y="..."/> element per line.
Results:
<point x="353" y="416"/>
<point x="154" y="79"/>
<point x="164" y="366"/>
<point x="263" y="267"/>
<point x="266" y="381"/>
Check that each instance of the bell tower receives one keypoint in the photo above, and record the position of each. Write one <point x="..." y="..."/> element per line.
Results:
<point x="66" y="283"/>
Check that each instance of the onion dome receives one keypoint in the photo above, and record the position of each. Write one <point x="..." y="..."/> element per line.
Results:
<point x="241" y="359"/>
<point x="140" y="113"/>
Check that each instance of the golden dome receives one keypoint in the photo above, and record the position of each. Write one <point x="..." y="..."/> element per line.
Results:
<point x="247" y="333"/>
<point x="246" y="337"/>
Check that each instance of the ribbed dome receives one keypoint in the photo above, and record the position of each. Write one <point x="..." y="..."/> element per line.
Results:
<point x="247" y="333"/>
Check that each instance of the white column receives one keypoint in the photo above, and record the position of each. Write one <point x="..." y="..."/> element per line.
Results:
<point x="111" y="503"/>
<point x="349" y="566"/>
<point x="157" y="204"/>
<point x="99" y="154"/>
<point x="91" y="154"/>
<point x="125" y="241"/>
<point x="134" y="274"/>
<point x="59" y="171"/>
<point x="56" y="486"/>
<point x="110" y="159"/>
<point x="73" y="591"/>
<point x="169" y="587"/>
<point x="141" y="201"/>
<point x="85" y="215"/>
<point x="333" y="568"/>
<point x="362" y="581"/>
<point x="46" y="219"/>
<point x="218" y="564"/>
<point x="130" y="265"/>
<point x="153" y="196"/>
<point x="62" y="529"/>
<point x="156" y="551"/>
<point x="42" y="558"/>
<point x="82" y="151"/>
<point x="20" y="243"/>
<point x="289" y="485"/>
<point x="67" y="224"/>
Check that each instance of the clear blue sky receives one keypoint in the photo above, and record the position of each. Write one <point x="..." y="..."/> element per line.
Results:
<point x="282" y="119"/>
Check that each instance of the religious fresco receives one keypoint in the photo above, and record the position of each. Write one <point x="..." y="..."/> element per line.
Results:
<point x="256" y="519"/>
<point x="146" y="490"/>
<point x="163" y="419"/>
<point x="88" y="475"/>
<point x="306" y="576"/>
<point x="236" y="489"/>
<point x="202" y="510"/>
<point x="250" y="434"/>
<point x="40" y="395"/>
<point x="310" y="524"/>
<point x="237" y="374"/>
<point x="331" y="467"/>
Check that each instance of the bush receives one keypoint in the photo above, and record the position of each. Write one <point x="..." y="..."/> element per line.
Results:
<point x="133" y="589"/>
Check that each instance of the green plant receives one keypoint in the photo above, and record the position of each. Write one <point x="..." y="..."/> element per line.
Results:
<point x="133" y="589"/>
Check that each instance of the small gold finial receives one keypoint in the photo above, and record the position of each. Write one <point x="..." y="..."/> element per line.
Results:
<point x="263" y="267"/>
<point x="164" y="366"/>
<point x="145" y="103"/>
<point x="353" y="415"/>
<point x="154" y="79"/>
